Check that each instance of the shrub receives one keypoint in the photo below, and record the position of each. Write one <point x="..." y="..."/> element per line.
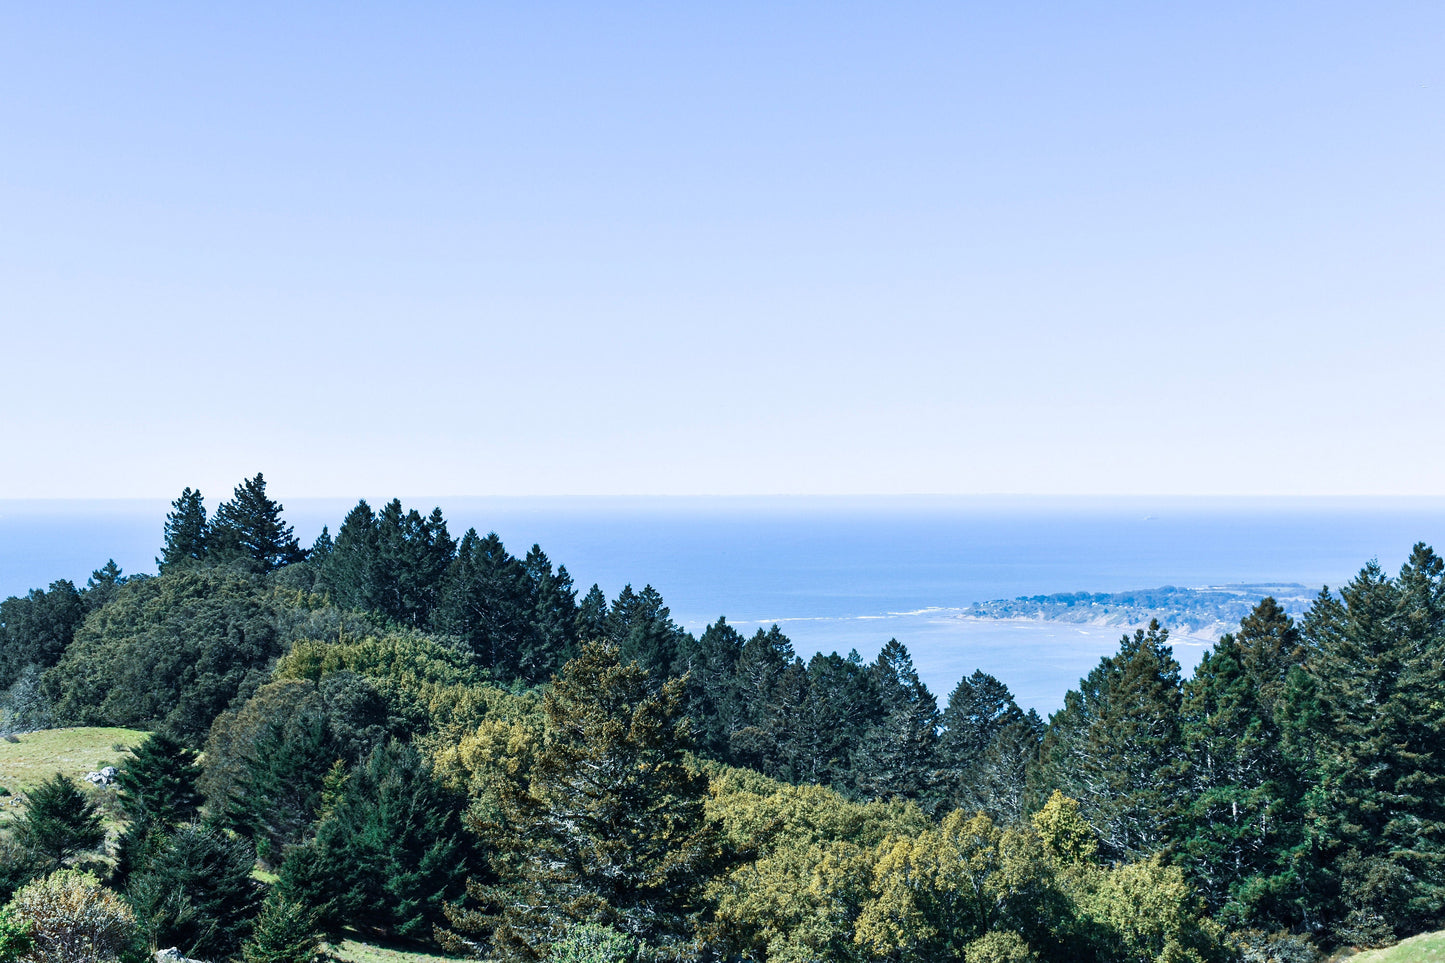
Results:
<point x="73" y="919"/>
<point x="590" y="943"/>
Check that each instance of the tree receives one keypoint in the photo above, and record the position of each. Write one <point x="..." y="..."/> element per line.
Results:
<point x="589" y="943"/>
<point x="611" y="829"/>
<point x="197" y="894"/>
<point x="158" y="782"/>
<point x="389" y="851"/>
<point x="1115" y="745"/>
<point x="986" y="745"/>
<point x="896" y="757"/>
<point x="36" y="629"/>
<point x="486" y="603"/>
<point x="249" y="529"/>
<point x="186" y="532"/>
<point x="59" y="822"/>
<point x="1239" y="833"/>
<point x="284" y="932"/>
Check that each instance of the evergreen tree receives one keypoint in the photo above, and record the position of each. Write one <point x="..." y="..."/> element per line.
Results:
<point x="390" y="850"/>
<point x="769" y="700"/>
<point x="1239" y="833"/>
<point x="554" y="615"/>
<point x="102" y="584"/>
<point x="642" y="627"/>
<point x="1376" y="816"/>
<point x="1115" y="746"/>
<point x="411" y="560"/>
<point x="249" y="529"/>
<point x="284" y="932"/>
<point x="186" y="532"/>
<point x="277" y="797"/>
<point x="36" y="629"/>
<point x="985" y="748"/>
<point x="591" y="619"/>
<point x="842" y="704"/>
<point x="348" y="572"/>
<point x="158" y="782"/>
<point x="59" y="823"/>
<point x="319" y="554"/>
<point x="714" y="703"/>
<point x="197" y="893"/>
<point x="611" y="829"/>
<point x="896" y="757"/>
<point x="487" y="603"/>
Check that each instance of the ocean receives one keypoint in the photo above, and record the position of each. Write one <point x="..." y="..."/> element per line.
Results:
<point x="846" y="573"/>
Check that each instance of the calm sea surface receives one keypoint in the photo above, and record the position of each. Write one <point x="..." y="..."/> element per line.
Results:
<point x="847" y="573"/>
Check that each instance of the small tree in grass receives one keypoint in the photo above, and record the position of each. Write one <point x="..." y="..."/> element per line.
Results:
<point x="284" y="932"/>
<point x="158" y="783"/>
<point x="59" y="822"/>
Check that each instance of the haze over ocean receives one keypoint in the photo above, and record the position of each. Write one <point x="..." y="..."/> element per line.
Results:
<point x="841" y="573"/>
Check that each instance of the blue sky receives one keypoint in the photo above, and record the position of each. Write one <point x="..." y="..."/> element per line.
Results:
<point x="761" y="248"/>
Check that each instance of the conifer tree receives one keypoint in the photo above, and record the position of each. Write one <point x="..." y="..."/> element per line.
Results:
<point x="642" y="627"/>
<point x="896" y="756"/>
<point x="985" y="748"/>
<point x="1115" y="745"/>
<point x="186" y="532"/>
<point x="349" y="571"/>
<point x="158" y="782"/>
<point x="611" y="829"/>
<point x="591" y="620"/>
<point x="197" y="893"/>
<point x="714" y="703"/>
<point x="486" y="602"/>
<point x="59" y="823"/>
<point x="249" y="529"/>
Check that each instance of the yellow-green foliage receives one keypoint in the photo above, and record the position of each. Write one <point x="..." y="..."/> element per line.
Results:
<point x="73" y="919"/>
<point x="351" y="951"/>
<point x="814" y="852"/>
<point x="1066" y="835"/>
<point x="1150" y="913"/>
<point x="940" y="891"/>
<point x="437" y="685"/>
<point x="498" y="753"/>
<point x="36" y="756"/>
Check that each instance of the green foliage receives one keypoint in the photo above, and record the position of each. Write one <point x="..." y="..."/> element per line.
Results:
<point x="985" y="748"/>
<point x="590" y="943"/>
<point x="390" y="851"/>
<point x="284" y="932"/>
<point x="36" y="628"/>
<point x="171" y="652"/>
<point x="14" y="936"/>
<point x="59" y="822"/>
<point x="185" y="532"/>
<point x="896" y="756"/>
<point x="611" y="828"/>
<point x="197" y="893"/>
<point x="1115" y="746"/>
<point x="73" y="919"/>
<point x="248" y="530"/>
<point x="158" y="782"/>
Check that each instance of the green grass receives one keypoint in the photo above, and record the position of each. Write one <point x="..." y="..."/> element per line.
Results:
<point x="36" y="756"/>
<point x="1425" y="948"/>
<point x="352" y="951"/>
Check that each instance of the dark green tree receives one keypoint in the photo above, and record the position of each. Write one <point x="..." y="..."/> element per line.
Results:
<point x="186" y="532"/>
<point x="714" y="703"/>
<point x="348" y="572"/>
<point x="59" y="823"/>
<point x="249" y="529"/>
<point x="985" y="748"/>
<point x="390" y="851"/>
<point x="487" y="604"/>
<point x="642" y="627"/>
<point x="611" y="829"/>
<point x="896" y="755"/>
<point x="277" y="798"/>
<point x="412" y="556"/>
<point x="1115" y="746"/>
<point x="36" y="628"/>
<point x="197" y="893"/>
<point x="591" y="619"/>
<point x="284" y="932"/>
<point x="158" y="782"/>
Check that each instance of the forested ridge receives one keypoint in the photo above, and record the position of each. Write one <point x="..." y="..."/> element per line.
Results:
<point x="423" y="737"/>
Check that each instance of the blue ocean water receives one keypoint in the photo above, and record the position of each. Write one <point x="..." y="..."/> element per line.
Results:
<point x="842" y="573"/>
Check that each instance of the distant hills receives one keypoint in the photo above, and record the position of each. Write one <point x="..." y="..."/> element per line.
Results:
<point x="1208" y="610"/>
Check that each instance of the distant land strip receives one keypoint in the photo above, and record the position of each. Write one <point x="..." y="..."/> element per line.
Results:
<point x="1205" y="610"/>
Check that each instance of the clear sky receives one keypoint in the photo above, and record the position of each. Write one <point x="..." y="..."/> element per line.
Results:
<point x="731" y="248"/>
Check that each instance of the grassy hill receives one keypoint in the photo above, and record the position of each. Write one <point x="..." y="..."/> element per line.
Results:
<point x="29" y="759"/>
<point x="1425" y="948"/>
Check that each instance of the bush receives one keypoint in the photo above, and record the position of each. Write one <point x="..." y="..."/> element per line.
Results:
<point x="73" y="919"/>
<point x="284" y="932"/>
<point x="998" y="947"/>
<point x="14" y="936"/>
<point x="590" y="943"/>
<point x="1256" y="946"/>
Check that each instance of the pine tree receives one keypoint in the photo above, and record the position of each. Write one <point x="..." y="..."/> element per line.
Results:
<point x="1115" y="746"/>
<point x="249" y="529"/>
<point x="197" y="893"/>
<point x="611" y="829"/>
<point x="487" y="603"/>
<point x="591" y="620"/>
<point x="390" y="849"/>
<point x="186" y="532"/>
<point x="896" y="757"/>
<point x="158" y="783"/>
<point x="411" y="560"/>
<point x="985" y="748"/>
<point x="348" y="573"/>
<point x="642" y="627"/>
<point x="284" y="932"/>
<point x="59" y="823"/>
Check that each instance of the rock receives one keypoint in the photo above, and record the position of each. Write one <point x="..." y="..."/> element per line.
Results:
<point x="104" y="777"/>
<point x="172" y="955"/>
